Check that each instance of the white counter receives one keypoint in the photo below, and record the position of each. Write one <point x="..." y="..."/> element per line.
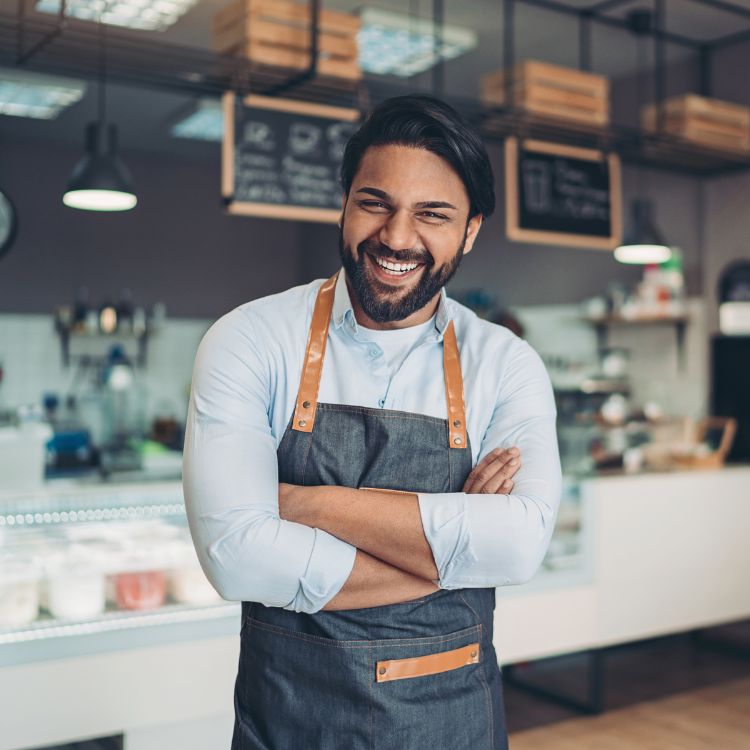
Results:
<point x="667" y="552"/>
<point x="662" y="553"/>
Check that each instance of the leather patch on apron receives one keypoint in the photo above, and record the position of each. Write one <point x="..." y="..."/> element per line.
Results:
<point x="421" y="666"/>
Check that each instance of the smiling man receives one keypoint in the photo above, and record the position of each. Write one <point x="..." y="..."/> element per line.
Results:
<point x="353" y="469"/>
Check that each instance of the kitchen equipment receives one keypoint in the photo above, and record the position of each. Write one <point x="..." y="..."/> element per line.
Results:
<point x="730" y="392"/>
<point x="23" y="455"/>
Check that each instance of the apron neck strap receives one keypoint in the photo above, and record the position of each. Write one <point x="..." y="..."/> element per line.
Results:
<point x="312" y="368"/>
<point x="307" y="396"/>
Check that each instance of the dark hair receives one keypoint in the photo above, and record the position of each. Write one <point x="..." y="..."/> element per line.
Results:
<point x="426" y="122"/>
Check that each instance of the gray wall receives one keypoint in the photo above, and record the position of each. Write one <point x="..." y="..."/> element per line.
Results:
<point x="523" y="274"/>
<point x="176" y="246"/>
<point x="727" y="198"/>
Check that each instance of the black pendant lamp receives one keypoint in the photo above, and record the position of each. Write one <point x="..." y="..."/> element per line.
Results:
<point x="642" y="241"/>
<point x="100" y="181"/>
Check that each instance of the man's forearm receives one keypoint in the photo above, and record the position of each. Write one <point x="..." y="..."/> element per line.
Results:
<point x="383" y="524"/>
<point x="375" y="583"/>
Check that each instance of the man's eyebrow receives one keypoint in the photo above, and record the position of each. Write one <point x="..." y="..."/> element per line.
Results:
<point x="423" y="204"/>
<point x="435" y="204"/>
<point x="374" y="191"/>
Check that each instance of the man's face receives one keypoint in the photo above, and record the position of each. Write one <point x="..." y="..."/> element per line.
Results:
<point x="407" y="208"/>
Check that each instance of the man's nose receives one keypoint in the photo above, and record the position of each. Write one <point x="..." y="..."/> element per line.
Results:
<point x="398" y="232"/>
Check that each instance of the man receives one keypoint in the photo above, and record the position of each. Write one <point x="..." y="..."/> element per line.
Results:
<point x="328" y="472"/>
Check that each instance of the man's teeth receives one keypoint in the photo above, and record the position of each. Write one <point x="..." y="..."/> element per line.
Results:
<point x="395" y="268"/>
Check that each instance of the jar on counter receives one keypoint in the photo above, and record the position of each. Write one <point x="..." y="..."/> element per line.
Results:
<point x="141" y="590"/>
<point x="75" y="585"/>
<point x="19" y="590"/>
<point x="186" y="581"/>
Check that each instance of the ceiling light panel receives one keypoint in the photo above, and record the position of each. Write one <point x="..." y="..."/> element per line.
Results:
<point x="133" y="14"/>
<point x="401" y="45"/>
<point x="205" y="123"/>
<point x="24" y="94"/>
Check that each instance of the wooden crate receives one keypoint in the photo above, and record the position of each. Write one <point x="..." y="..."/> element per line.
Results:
<point x="275" y="34"/>
<point x="707" y="122"/>
<point x="551" y="91"/>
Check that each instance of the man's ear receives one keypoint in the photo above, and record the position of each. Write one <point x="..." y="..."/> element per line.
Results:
<point x="472" y="230"/>
<point x="343" y="209"/>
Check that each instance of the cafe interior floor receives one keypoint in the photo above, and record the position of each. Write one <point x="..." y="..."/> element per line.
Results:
<point x="685" y="692"/>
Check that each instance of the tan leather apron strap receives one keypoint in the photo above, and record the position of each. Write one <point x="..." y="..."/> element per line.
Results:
<point x="454" y="389"/>
<point x="312" y="368"/>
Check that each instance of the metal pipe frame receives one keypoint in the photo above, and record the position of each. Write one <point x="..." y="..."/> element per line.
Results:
<point x="584" y="42"/>
<point x="21" y="56"/>
<point x="438" y="70"/>
<point x="509" y="48"/>
<point x="596" y="11"/>
<point x="660" y="67"/>
<point x="312" y="69"/>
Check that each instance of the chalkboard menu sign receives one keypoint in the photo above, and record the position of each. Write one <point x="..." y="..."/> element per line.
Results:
<point x="281" y="158"/>
<point x="562" y="195"/>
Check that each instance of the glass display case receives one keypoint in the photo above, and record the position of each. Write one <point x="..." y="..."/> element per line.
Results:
<point x="80" y="560"/>
<point x="91" y="568"/>
<point x="569" y="559"/>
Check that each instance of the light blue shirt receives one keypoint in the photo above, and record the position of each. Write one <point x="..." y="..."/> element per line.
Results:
<point x="245" y="381"/>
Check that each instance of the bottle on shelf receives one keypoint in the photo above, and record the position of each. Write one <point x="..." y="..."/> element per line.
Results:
<point x="81" y="310"/>
<point x="107" y="318"/>
<point x="125" y="312"/>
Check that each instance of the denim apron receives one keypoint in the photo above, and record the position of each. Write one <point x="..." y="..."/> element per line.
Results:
<point x="418" y="675"/>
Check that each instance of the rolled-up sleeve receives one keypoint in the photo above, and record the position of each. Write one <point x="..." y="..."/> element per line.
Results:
<point x="230" y="481"/>
<point x="489" y="540"/>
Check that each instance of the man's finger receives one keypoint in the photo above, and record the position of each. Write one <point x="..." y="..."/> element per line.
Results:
<point x="490" y="482"/>
<point x="491" y="456"/>
<point x="489" y="466"/>
<point x="498" y="483"/>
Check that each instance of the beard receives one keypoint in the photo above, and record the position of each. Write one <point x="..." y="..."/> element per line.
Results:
<point x="383" y="303"/>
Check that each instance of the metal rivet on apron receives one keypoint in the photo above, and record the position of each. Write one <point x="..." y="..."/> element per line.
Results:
<point x="473" y="654"/>
<point x="382" y="670"/>
<point x="302" y="422"/>
<point x="457" y="441"/>
<point x="305" y="404"/>
<point x="456" y="422"/>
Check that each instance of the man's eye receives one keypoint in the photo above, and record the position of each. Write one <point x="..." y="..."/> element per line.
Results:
<point x="372" y="204"/>
<point x="432" y="216"/>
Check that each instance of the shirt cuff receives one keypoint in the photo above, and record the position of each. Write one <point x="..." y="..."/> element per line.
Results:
<point x="330" y="565"/>
<point x="445" y="520"/>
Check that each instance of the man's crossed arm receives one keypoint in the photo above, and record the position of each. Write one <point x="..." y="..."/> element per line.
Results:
<point x="394" y="561"/>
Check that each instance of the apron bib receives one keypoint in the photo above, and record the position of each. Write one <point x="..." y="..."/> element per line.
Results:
<point x="418" y="675"/>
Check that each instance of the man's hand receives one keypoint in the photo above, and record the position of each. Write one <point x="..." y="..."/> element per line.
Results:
<point x="493" y="474"/>
<point x="292" y="502"/>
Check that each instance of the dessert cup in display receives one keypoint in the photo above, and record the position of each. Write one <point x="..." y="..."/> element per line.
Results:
<point x="140" y="590"/>
<point x="19" y="590"/>
<point x="75" y="583"/>
<point x="188" y="585"/>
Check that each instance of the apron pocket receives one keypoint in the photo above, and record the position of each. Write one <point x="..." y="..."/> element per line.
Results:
<point x="433" y="693"/>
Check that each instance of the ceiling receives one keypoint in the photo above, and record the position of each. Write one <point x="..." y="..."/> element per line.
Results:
<point x="145" y="112"/>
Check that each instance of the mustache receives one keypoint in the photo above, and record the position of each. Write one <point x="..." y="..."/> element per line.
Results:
<point x="379" y="250"/>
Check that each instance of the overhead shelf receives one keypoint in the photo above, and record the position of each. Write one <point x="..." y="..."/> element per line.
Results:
<point x="633" y="145"/>
<point x="133" y="58"/>
<point x="602" y="324"/>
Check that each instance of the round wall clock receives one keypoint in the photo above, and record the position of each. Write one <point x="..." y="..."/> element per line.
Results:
<point x="8" y="223"/>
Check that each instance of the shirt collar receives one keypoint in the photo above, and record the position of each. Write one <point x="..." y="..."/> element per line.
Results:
<point x="343" y="310"/>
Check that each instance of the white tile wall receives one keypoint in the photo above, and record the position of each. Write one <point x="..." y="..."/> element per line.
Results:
<point x="30" y="354"/>
<point x="655" y="375"/>
<point x="32" y="362"/>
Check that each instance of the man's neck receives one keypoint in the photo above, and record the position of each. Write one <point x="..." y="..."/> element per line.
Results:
<point x="416" y="318"/>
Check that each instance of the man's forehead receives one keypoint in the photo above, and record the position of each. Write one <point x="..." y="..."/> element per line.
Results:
<point x="395" y="169"/>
